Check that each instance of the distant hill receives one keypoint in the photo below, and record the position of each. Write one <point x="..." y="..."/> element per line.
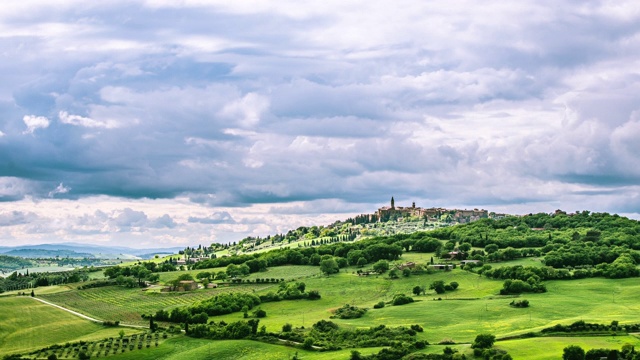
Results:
<point x="43" y="253"/>
<point x="9" y="263"/>
<point x="74" y="250"/>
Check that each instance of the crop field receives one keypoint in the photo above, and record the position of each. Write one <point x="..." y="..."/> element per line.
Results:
<point x="117" y="303"/>
<point x="104" y="347"/>
<point x="29" y="325"/>
<point x="279" y="272"/>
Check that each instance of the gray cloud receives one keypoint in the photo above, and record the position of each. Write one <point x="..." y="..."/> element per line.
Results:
<point x="499" y="104"/>
<point x="221" y="217"/>
<point x="12" y="218"/>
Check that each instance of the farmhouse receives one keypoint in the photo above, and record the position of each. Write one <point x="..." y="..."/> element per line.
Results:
<point x="407" y="265"/>
<point x="187" y="285"/>
<point x="443" y="267"/>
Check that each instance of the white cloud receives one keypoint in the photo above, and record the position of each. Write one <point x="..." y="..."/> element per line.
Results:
<point x="60" y="189"/>
<point x="78" y="120"/>
<point x="34" y="122"/>
<point x="248" y="110"/>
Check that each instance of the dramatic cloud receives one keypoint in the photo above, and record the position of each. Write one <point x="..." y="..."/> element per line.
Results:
<point x="252" y="117"/>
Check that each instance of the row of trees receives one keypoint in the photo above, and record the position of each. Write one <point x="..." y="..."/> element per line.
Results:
<point x="226" y="303"/>
<point x="17" y="281"/>
<point x="575" y="352"/>
<point x="131" y="276"/>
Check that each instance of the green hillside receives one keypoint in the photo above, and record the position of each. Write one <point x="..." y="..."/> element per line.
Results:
<point x="537" y="283"/>
<point x="29" y="325"/>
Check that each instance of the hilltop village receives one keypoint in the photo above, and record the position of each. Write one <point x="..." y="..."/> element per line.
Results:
<point x="433" y="214"/>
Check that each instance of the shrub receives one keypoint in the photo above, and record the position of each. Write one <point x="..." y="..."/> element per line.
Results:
<point x="438" y="286"/>
<point x="325" y="326"/>
<point x="308" y="343"/>
<point x="519" y="303"/>
<point x="349" y="312"/>
<point x="483" y="341"/>
<point x="379" y="305"/>
<point x="401" y="299"/>
<point x="314" y="295"/>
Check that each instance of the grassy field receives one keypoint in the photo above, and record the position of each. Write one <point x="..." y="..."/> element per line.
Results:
<point x="552" y="347"/>
<point x="475" y="307"/>
<point x="279" y="272"/>
<point x="29" y="325"/>
<point x="40" y="290"/>
<point x="458" y="315"/>
<point x="185" y="348"/>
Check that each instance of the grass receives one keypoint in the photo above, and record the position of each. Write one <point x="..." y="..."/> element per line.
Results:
<point x="40" y="290"/>
<point x="29" y="325"/>
<point x="552" y="347"/>
<point x="483" y="311"/>
<point x="185" y="348"/>
<point x="459" y="315"/>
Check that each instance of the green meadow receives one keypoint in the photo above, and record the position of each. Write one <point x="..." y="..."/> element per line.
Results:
<point x="475" y="307"/>
<point x="551" y="347"/>
<point x="27" y="325"/>
<point x="185" y="348"/>
<point x="461" y="314"/>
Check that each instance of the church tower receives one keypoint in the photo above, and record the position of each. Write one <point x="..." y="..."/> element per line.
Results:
<point x="393" y="206"/>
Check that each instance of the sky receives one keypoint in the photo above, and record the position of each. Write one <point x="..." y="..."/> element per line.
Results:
<point x="182" y="122"/>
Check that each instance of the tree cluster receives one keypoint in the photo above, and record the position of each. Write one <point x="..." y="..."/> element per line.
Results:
<point x="348" y="312"/>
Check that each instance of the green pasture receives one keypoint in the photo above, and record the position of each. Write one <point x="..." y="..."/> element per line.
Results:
<point x="28" y="325"/>
<point x="185" y="348"/>
<point x="475" y="307"/>
<point x="551" y="347"/>
<point x="461" y="314"/>
<point x="348" y="288"/>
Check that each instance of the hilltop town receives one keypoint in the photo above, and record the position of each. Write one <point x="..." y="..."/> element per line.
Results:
<point x="460" y="216"/>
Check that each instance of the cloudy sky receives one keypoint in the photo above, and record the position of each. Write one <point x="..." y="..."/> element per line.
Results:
<point x="180" y="122"/>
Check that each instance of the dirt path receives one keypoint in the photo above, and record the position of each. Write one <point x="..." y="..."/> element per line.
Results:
<point x="84" y="316"/>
